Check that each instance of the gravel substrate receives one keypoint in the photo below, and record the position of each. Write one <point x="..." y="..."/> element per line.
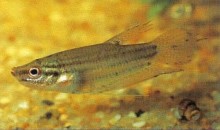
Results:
<point x="35" y="28"/>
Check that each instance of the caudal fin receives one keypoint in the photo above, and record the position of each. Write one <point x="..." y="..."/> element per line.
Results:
<point x="175" y="47"/>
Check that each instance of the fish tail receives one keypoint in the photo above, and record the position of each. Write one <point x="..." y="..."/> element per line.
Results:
<point x="175" y="47"/>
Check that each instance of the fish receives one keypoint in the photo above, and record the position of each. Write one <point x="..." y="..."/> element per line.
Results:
<point x="111" y="65"/>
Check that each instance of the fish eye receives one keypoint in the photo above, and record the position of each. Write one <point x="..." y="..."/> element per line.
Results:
<point x="34" y="72"/>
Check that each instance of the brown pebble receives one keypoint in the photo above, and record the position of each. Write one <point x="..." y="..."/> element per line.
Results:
<point x="172" y="97"/>
<point x="157" y="92"/>
<point x="47" y="102"/>
<point x="139" y="113"/>
<point x="48" y="115"/>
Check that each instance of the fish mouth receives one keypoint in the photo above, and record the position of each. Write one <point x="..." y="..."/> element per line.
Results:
<point x="13" y="71"/>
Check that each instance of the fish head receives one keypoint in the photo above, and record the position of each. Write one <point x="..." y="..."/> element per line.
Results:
<point x="44" y="74"/>
<point x="35" y="74"/>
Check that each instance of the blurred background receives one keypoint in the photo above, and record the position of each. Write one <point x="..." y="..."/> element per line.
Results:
<point x="30" y="29"/>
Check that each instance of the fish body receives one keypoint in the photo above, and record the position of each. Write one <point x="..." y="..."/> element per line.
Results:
<point x="107" y="66"/>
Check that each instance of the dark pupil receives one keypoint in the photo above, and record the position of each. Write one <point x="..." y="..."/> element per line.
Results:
<point x="34" y="71"/>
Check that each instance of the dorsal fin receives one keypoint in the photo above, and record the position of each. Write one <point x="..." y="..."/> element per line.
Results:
<point x="132" y="35"/>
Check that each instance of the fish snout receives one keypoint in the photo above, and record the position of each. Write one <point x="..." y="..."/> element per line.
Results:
<point x="13" y="72"/>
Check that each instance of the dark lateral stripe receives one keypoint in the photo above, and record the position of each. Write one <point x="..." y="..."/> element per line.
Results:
<point x="54" y="73"/>
<point x="51" y="66"/>
<point x="118" y="61"/>
<point x="135" y="58"/>
<point x="119" y="73"/>
<point x="68" y="57"/>
<point x="125" y="55"/>
<point x="111" y="54"/>
<point x="51" y="71"/>
<point x="134" y="65"/>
